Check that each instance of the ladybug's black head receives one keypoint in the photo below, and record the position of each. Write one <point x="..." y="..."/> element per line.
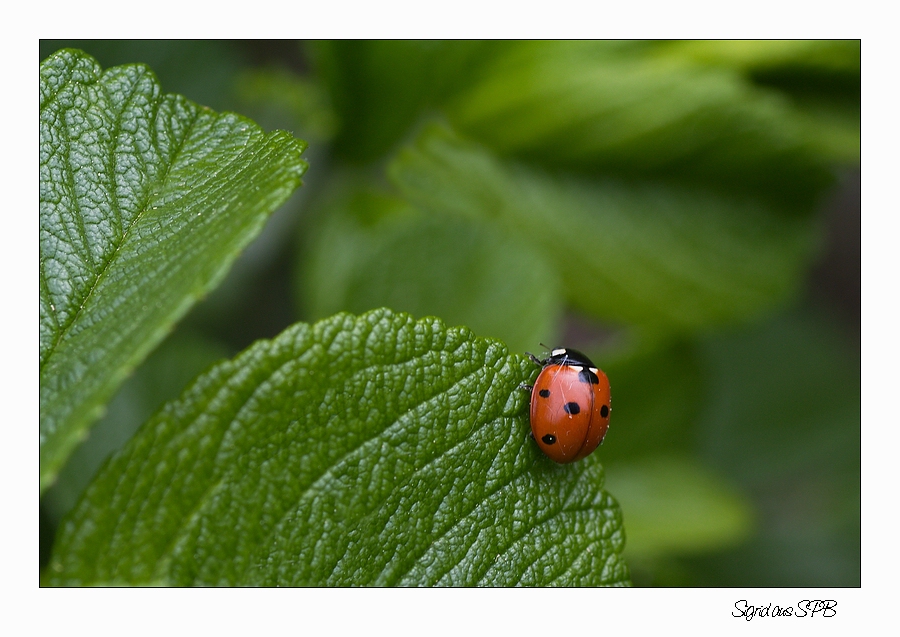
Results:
<point x="568" y="356"/>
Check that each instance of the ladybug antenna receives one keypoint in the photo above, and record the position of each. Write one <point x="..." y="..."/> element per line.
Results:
<point x="544" y="346"/>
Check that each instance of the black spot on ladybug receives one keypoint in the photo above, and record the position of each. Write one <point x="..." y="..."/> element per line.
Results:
<point x="604" y="411"/>
<point x="548" y="439"/>
<point x="572" y="408"/>
<point x="587" y="376"/>
<point x="544" y="393"/>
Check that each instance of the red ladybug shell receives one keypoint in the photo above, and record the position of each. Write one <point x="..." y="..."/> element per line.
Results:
<point x="570" y="405"/>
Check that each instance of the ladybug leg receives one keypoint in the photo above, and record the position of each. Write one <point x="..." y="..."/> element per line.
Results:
<point x="526" y="387"/>
<point x="534" y="359"/>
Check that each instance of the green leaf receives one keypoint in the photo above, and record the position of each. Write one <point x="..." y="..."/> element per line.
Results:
<point x="806" y="377"/>
<point x="372" y="250"/>
<point x="829" y="67"/>
<point x="834" y="129"/>
<point x="784" y="423"/>
<point x="161" y="377"/>
<point x="279" y="94"/>
<point x="822" y="78"/>
<point x="202" y="70"/>
<point x="379" y="88"/>
<point x="661" y="258"/>
<point x="372" y="450"/>
<point x="675" y="505"/>
<point x="659" y="396"/>
<point x="632" y="111"/>
<point x="146" y="199"/>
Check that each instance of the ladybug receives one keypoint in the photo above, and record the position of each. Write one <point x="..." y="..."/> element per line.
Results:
<point x="570" y="405"/>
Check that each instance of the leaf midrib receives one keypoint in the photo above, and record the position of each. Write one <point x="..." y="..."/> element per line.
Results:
<point x="152" y="187"/>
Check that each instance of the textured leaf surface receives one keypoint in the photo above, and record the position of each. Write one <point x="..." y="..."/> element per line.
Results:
<point x="145" y="201"/>
<point x="374" y="450"/>
<point x="161" y="377"/>
<point x="657" y="257"/>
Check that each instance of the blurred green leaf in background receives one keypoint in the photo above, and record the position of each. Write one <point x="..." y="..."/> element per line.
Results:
<point x="686" y="213"/>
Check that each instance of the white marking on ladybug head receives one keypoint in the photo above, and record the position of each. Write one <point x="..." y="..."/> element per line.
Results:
<point x="558" y="352"/>
<point x="576" y="368"/>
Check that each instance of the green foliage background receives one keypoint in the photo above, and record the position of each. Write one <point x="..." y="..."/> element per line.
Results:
<point x="670" y="208"/>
